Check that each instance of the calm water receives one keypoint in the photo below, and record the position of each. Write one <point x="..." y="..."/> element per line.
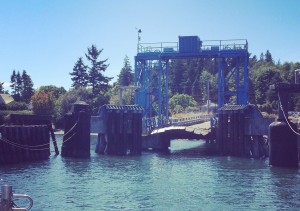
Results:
<point x="186" y="179"/>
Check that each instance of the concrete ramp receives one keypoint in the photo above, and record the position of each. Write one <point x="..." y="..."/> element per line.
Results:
<point x="197" y="131"/>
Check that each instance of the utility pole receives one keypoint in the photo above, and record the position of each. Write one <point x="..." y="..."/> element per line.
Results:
<point x="139" y="39"/>
<point x="208" y="103"/>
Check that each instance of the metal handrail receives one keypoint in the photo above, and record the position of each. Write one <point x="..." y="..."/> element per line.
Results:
<point x="149" y="124"/>
<point x="6" y="197"/>
<point x="173" y="47"/>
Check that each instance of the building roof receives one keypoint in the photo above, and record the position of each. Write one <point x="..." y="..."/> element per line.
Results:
<point x="6" y="99"/>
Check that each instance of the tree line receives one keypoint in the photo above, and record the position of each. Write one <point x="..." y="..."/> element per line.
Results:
<point x="188" y="84"/>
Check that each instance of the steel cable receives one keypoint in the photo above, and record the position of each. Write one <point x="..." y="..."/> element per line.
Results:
<point x="286" y="119"/>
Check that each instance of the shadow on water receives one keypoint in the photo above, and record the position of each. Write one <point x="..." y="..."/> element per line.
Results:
<point x="191" y="148"/>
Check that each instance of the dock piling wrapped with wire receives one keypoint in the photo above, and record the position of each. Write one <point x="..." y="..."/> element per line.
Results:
<point x="25" y="140"/>
<point x="119" y="129"/>
<point x="76" y="139"/>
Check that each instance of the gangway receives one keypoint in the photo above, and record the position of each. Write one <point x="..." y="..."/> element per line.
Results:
<point x="152" y="66"/>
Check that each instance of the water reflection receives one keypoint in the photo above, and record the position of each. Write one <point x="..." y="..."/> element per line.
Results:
<point x="188" y="178"/>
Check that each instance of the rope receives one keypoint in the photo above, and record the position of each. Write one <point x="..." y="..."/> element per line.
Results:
<point x="69" y="138"/>
<point x="34" y="147"/>
<point x="21" y="146"/>
<point x="285" y="117"/>
<point x="72" y="128"/>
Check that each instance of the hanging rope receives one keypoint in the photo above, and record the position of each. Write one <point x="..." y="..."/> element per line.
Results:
<point x="285" y="117"/>
<point x="38" y="147"/>
<point x="72" y="128"/>
<point x="26" y="147"/>
<point x="69" y="138"/>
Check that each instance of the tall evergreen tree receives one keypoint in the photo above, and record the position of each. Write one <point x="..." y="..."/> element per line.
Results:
<point x="27" y="87"/>
<point x="261" y="58"/>
<point x="13" y="81"/>
<point x="79" y="74"/>
<point x="268" y="57"/>
<point x="125" y="78"/>
<point x="1" y="88"/>
<point x="176" y="76"/>
<point x="97" y="80"/>
<point x="16" y="85"/>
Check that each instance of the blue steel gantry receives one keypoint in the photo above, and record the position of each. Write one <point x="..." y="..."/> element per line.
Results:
<point x="152" y="65"/>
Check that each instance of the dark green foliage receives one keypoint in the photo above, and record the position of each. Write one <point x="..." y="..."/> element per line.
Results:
<point x="56" y="91"/>
<point x="190" y="77"/>
<point x="80" y="94"/>
<point x="27" y="87"/>
<point x="125" y="78"/>
<point x="1" y="88"/>
<point x="186" y="77"/>
<point x="269" y="58"/>
<point x="97" y="80"/>
<point x="16" y="106"/>
<point x="79" y="74"/>
<point x="22" y="86"/>
<point x="263" y="82"/>
<point x="179" y="102"/>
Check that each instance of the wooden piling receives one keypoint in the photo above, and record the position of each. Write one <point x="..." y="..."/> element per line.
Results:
<point x="76" y="139"/>
<point x="122" y="135"/>
<point x="241" y="134"/>
<point x="24" y="143"/>
<point x="240" y="131"/>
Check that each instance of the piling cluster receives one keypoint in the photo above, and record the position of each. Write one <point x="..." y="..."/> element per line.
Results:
<point x="76" y="139"/>
<point x="122" y="134"/>
<point x="240" y="131"/>
<point x="26" y="138"/>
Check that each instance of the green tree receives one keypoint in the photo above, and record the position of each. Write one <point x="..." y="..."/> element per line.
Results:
<point x="182" y="100"/>
<point x="208" y="79"/>
<point x="1" y="88"/>
<point x="43" y="103"/>
<point x="263" y="82"/>
<point x="66" y="100"/>
<point x="268" y="57"/>
<point x="16" y="85"/>
<point x="97" y="80"/>
<point x="79" y="74"/>
<point x="27" y="87"/>
<point x="175" y="76"/>
<point x="261" y="58"/>
<point x="125" y="78"/>
<point x="56" y="91"/>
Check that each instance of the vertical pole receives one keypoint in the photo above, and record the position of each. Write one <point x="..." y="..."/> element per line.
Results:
<point x="237" y="82"/>
<point x="241" y="144"/>
<point x="6" y="198"/>
<point x="159" y="77"/>
<point x="167" y="91"/>
<point x="208" y="103"/>
<point x="225" y="133"/>
<point x="53" y="139"/>
<point x="121" y="95"/>
<point x="236" y="133"/>
<point x="219" y="139"/>
<point x="136" y="84"/>
<point x="246" y="80"/>
<point x="221" y="82"/>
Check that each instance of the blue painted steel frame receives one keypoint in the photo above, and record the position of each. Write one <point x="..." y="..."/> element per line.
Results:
<point x="151" y="73"/>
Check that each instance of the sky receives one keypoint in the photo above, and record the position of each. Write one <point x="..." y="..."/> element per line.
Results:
<point x="46" y="37"/>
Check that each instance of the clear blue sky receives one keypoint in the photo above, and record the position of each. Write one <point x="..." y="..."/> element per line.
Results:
<point x="46" y="37"/>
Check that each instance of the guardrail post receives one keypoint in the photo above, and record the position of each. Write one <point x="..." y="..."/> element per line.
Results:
<point x="6" y="198"/>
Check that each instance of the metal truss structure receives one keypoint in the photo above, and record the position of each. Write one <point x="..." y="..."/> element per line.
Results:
<point x="152" y="66"/>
